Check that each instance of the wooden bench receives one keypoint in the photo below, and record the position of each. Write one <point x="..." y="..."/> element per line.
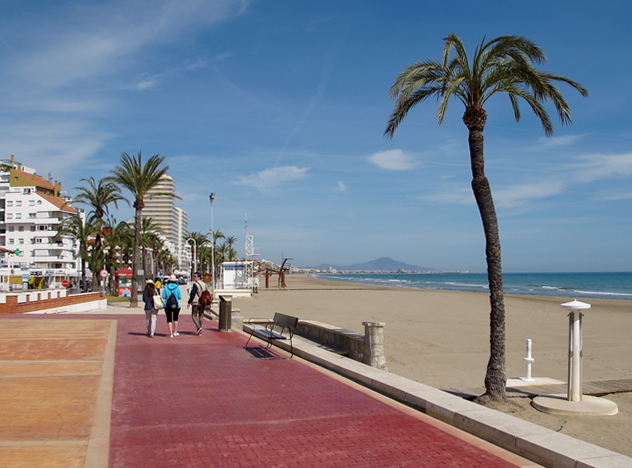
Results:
<point x="281" y="327"/>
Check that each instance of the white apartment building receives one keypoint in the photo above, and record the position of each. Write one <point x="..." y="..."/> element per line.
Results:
<point x="171" y="220"/>
<point x="31" y="210"/>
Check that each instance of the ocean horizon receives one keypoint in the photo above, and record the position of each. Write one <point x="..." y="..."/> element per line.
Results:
<point x="616" y="285"/>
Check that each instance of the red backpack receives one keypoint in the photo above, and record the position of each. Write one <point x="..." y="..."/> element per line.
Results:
<point x="205" y="299"/>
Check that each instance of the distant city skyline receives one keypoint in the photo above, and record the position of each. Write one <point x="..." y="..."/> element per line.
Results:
<point x="279" y="107"/>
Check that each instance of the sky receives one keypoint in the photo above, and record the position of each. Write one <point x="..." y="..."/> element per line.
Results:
<point x="280" y="106"/>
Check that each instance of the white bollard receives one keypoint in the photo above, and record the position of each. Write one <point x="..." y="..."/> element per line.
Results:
<point x="529" y="360"/>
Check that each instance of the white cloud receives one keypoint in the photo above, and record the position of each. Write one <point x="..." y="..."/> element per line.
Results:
<point x="616" y="196"/>
<point x="519" y="194"/>
<point x="508" y="197"/>
<point x="267" y="180"/>
<point x="602" y="166"/>
<point x="99" y="39"/>
<point x="394" y="160"/>
<point x="454" y="195"/>
<point x="146" y="84"/>
<point x="564" y="140"/>
<point x="52" y="146"/>
<point x="342" y="187"/>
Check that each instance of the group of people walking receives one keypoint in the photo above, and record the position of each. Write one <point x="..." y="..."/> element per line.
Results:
<point x="170" y="301"/>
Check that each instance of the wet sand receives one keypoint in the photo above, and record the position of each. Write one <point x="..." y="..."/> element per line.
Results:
<point x="441" y="338"/>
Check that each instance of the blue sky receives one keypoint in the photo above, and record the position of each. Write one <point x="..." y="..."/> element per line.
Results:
<point x="279" y="106"/>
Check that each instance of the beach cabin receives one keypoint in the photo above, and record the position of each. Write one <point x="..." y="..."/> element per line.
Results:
<point x="236" y="279"/>
<point x="233" y="275"/>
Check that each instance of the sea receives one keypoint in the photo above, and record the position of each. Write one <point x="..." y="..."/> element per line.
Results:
<point x="566" y="285"/>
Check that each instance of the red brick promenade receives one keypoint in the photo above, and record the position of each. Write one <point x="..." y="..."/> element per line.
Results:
<point x="203" y="401"/>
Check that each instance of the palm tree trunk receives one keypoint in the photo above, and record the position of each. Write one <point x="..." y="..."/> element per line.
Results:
<point x="495" y="377"/>
<point x="83" y="276"/>
<point x="136" y="253"/>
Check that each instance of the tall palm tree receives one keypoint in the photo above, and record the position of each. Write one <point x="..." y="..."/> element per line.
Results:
<point x="503" y="65"/>
<point x="139" y="179"/>
<point x="98" y="196"/>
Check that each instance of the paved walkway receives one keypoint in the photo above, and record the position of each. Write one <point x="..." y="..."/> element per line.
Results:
<point x="94" y="391"/>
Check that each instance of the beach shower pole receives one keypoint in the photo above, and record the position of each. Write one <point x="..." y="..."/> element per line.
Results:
<point x="575" y="348"/>
<point x="575" y="403"/>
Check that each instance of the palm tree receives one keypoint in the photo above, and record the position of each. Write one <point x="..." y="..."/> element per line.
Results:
<point x="149" y="238"/>
<point x="205" y="254"/>
<point x="98" y="196"/>
<point x="215" y="257"/>
<point x="503" y="65"/>
<point x="230" y="240"/>
<point x="139" y="179"/>
<point x="81" y="231"/>
<point x="118" y="241"/>
<point x="199" y="239"/>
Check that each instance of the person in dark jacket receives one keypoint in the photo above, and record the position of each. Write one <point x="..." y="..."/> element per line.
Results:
<point x="151" y="313"/>
<point x="197" y="311"/>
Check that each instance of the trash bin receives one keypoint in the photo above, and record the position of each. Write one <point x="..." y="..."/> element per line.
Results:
<point x="225" y="313"/>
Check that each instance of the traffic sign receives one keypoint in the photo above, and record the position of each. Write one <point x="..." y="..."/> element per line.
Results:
<point x="103" y="273"/>
<point x="65" y="283"/>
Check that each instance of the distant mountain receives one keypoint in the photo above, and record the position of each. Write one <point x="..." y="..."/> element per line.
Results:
<point x="381" y="264"/>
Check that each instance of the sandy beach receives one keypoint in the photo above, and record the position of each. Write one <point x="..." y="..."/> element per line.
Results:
<point x="441" y="338"/>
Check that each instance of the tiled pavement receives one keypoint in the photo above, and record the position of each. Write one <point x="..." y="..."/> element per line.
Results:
<point x="95" y="391"/>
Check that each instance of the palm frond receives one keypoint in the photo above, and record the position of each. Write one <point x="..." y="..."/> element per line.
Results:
<point x="506" y="64"/>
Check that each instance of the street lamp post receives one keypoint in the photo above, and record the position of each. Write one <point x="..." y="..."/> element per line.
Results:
<point x="212" y="197"/>
<point x="194" y="255"/>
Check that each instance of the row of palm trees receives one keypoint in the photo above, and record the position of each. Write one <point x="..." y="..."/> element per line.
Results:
<point x="104" y="243"/>
<point x="204" y="247"/>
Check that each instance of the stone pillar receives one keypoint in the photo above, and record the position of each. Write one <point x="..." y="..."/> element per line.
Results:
<point x="374" y="345"/>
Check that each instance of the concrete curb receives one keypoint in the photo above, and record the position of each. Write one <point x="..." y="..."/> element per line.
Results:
<point x="536" y="443"/>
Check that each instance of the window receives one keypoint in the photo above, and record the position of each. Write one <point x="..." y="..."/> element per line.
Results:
<point x="18" y="216"/>
<point x="32" y="228"/>
<point x="18" y="203"/>
<point x="21" y="228"/>
<point x="32" y="215"/>
<point x="9" y="202"/>
<point x="31" y="202"/>
<point x="11" y="241"/>
<point x="9" y="215"/>
<point x="21" y="240"/>
<point x="11" y="228"/>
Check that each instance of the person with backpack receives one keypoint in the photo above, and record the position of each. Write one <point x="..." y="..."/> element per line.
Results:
<point x="197" y="309"/>
<point x="171" y="296"/>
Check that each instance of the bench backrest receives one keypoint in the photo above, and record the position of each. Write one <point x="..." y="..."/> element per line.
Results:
<point x="286" y="320"/>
